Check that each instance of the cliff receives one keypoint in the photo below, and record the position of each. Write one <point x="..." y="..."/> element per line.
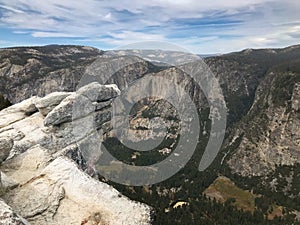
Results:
<point x="45" y="163"/>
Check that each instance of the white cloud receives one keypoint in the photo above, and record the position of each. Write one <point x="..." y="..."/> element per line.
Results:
<point x="262" y="23"/>
<point x="11" y="9"/>
<point x="108" y="16"/>
<point x="41" y="34"/>
<point x="126" y="38"/>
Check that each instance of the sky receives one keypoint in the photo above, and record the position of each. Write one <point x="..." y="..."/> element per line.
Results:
<point x="202" y="27"/>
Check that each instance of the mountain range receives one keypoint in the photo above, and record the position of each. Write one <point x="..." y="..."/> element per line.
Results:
<point x="254" y="178"/>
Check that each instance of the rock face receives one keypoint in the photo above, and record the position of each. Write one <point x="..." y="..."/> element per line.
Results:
<point x="27" y="72"/>
<point x="42" y="70"/>
<point x="7" y="216"/>
<point x="18" y="112"/>
<point x="46" y="157"/>
<point x="6" y="145"/>
<point x="93" y="93"/>
<point x="63" y="194"/>
<point x="269" y="135"/>
<point x="46" y="104"/>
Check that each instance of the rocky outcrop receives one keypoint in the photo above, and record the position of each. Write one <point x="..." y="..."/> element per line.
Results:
<point x="86" y="99"/>
<point x="46" y="104"/>
<point x="61" y="193"/>
<point x="7" y="216"/>
<point x="47" y="154"/>
<point x="6" y="145"/>
<point x="17" y="112"/>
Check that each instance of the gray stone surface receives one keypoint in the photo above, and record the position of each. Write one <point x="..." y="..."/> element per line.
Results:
<point x="98" y="93"/>
<point x="88" y="99"/>
<point x="9" y="217"/>
<point x="46" y="104"/>
<point x="6" y="145"/>
<point x="41" y="179"/>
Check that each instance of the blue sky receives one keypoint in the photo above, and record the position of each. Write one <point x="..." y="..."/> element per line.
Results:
<point x="199" y="26"/>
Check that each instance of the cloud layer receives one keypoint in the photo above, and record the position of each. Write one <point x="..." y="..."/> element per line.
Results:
<point x="199" y="26"/>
